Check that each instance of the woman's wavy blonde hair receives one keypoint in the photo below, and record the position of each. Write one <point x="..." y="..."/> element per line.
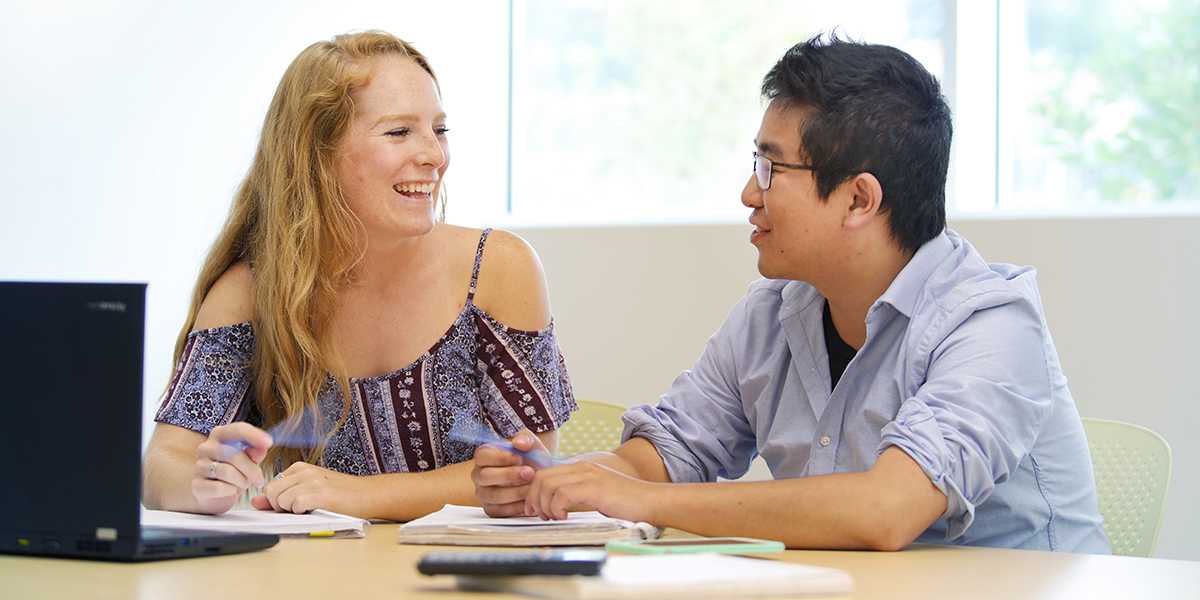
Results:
<point x="290" y="220"/>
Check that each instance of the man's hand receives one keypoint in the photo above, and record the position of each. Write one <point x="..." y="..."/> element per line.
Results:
<point x="502" y="478"/>
<point x="592" y="486"/>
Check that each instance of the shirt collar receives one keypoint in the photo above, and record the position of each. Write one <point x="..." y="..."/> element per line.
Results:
<point x="907" y="287"/>
<point x="904" y="290"/>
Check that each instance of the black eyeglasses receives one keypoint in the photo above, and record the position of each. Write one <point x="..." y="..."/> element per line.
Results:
<point x="763" y="167"/>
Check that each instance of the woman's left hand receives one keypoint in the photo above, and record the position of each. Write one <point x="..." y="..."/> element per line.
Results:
<point x="304" y="487"/>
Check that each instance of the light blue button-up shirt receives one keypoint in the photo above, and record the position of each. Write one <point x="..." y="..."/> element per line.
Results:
<point x="958" y="370"/>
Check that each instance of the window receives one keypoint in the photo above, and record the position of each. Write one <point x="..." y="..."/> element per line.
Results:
<point x="640" y="112"/>
<point x="645" y="112"/>
<point x="1099" y="103"/>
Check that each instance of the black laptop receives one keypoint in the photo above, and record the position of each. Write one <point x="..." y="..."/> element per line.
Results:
<point x="71" y="428"/>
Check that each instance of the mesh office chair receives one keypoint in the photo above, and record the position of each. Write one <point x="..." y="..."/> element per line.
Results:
<point x="1133" y="470"/>
<point x="596" y="426"/>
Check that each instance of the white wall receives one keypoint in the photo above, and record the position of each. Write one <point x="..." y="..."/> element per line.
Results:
<point x="634" y="306"/>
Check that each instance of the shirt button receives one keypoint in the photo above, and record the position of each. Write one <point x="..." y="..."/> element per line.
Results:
<point x="825" y="440"/>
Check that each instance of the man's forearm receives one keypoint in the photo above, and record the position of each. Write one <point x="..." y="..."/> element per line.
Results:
<point x="882" y="509"/>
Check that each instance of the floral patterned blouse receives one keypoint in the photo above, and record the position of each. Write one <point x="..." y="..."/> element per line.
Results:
<point x="479" y="370"/>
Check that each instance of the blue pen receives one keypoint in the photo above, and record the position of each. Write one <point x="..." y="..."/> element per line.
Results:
<point x="234" y="447"/>
<point x="279" y="437"/>
<point x="538" y="459"/>
<point x="237" y="445"/>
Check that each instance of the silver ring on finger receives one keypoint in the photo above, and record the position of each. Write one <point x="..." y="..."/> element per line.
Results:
<point x="212" y="469"/>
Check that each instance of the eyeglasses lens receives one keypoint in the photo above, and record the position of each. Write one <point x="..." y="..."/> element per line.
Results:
<point x="762" y="170"/>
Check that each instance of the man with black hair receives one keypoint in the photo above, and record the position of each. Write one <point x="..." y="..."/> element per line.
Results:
<point x="898" y="386"/>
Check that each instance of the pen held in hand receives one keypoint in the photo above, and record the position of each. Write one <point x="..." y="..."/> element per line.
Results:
<point x="538" y="459"/>
<point x="296" y="437"/>
<point x="231" y="448"/>
<point x="237" y="445"/>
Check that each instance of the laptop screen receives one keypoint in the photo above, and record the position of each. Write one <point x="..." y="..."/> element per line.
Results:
<point x="71" y="407"/>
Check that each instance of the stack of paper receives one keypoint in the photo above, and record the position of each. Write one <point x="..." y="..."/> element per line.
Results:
<point x="669" y="576"/>
<point x="470" y="526"/>
<point x="318" y="523"/>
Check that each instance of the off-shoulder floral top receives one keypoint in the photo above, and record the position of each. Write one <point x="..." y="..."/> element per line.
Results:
<point x="480" y="369"/>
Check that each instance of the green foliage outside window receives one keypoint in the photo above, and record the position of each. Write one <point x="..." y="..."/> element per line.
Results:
<point x="636" y="106"/>
<point x="630" y="97"/>
<point x="1118" y="85"/>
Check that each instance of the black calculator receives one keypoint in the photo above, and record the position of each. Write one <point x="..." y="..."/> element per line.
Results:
<point x="556" y="561"/>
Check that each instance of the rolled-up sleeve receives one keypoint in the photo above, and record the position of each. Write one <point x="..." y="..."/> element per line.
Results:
<point x="699" y="426"/>
<point x="985" y="397"/>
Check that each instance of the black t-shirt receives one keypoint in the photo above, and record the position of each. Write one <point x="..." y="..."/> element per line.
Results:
<point x="840" y="353"/>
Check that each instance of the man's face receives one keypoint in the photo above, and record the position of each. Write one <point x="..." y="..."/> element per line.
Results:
<point x="795" y="231"/>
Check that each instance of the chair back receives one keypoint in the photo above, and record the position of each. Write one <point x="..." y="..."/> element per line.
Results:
<point x="1133" y="470"/>
<point x="596" y="426"/>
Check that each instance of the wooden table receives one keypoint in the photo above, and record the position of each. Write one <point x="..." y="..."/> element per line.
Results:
<point x="379" y="567"/>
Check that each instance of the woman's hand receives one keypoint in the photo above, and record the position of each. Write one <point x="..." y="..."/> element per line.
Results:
<point x="227" y="463"/>
<point x="303" y="487"/>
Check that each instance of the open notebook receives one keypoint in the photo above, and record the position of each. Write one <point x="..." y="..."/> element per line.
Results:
<point x="318" y="523"/>
<point x="71" y="428"/>
<point x="470" y="526"/>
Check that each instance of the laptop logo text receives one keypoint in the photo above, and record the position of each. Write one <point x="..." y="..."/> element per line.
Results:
<point x="118" y="307"/>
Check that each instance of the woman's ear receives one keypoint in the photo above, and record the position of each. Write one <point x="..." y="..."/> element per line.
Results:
<point x="864" y="204"/>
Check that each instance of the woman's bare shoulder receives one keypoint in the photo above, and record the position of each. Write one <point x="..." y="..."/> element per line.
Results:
<point x="505" y="254"/>
<point x="512" y="285"/>
<point x="230" y="300"/>
<point x="511" y="250"/>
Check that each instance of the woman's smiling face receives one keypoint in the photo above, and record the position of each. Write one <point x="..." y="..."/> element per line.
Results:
<point x="391" y="162"/>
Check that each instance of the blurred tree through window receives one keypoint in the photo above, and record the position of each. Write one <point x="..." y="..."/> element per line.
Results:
<point x="630" y="111"/>
<point x="1113" y="113"/>
<point x="640" y="111"/>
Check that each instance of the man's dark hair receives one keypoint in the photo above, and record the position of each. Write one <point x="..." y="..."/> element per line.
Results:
<point x="871" y="108"/>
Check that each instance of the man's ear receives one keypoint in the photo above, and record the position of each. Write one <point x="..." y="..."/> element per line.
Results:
<point x="864" y="204"/>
